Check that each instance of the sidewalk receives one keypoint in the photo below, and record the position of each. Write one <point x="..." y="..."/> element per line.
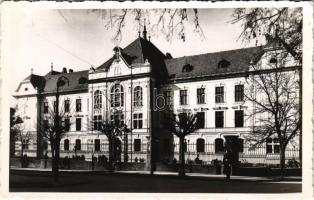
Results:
<point x="165" y="173"/>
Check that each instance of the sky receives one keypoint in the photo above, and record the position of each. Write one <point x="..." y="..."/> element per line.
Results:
<point x="77" y="39"/>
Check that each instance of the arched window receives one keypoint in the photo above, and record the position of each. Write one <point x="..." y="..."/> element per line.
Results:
<point x="223" y="64"/>
<point x="138" y="96"/>
<point x="219" y="145"/>
<point x="117" y="95"/>
<point x="200" y="145"/>
<point x="66" y="145"/>
<point x="97" y="99"/>
<point x="78" y="145"/>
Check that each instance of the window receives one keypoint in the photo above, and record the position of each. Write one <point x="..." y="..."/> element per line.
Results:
<point x="97" y="122"/>
<point x="117" y="96"/>
<point x="223" y="64"/>
<point x="272" y="145"/>
<point x="183" y="97"/>
<point x="183" y="116"/>
<point x="219" y="119"/>
<point x="187" y="68"/>
<point x="240" y="145"/>
<point x="67" y="124"/>
<point x="117" y="119"/>
<point x="25" y="143"/>
<point x="200" y="145"/>
<point x="45" y="107"/>
<point x="138" y="96"/>
<point x="97" y="99"/>
<point x="78" y="145"/>
<point x="46" y="124"/>
<point x="78" y="105"/>
<point x="54" y="106"/>
<point x="97" y="145"/>
<point x="219" y="145"/>
<point x="200" y="119"/>
<point x="67" y="105"/>
<point x="78" y="124"/>
<point x="238" y="93"/>
<point x="137" y="120"/>
<point x="66" y="145"/>
<point x="219" y="94"/>
<point x="167" y="95"/>
<point x="238" y="118"/>
<point x="137" y="144"/>
<point x="200" y="95"/>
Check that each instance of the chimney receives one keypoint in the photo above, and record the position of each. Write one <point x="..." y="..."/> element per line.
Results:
<point x="70" y="70"/>
<point x="64" y="70"/>
<point x="51" y="66"/>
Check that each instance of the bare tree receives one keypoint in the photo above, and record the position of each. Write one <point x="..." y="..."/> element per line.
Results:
<point x="182" y="125"/>
<point x="274" y="95"/>
<point x="272" y="25"/>
<point x="14" y="121"/>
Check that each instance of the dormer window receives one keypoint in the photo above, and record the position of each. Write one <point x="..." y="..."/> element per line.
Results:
<point x="187" y="68"/>
<point x="82" y="80"/>
<point x="273" y="60"/>
<point x="223" y="64"/>
<point x="26" y="89"/>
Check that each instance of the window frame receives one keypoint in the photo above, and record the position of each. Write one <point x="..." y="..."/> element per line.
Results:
<point x="138" y="96"/>
<point x="200" y="95"/>
<point x="97" y="121"/>
<point x="183" y="97"/>
<point x="219" y="92"/>
<point x="97" y="99"/>
<point x="137" y="145"/>
<point x="239" y="122"/>
<point x="78" y="126"/>
<point x="200" y="149"/>
<point x="67" y="105"/>
<point x="117" y="96"/>
<point x="198" y="123"/>
<point x="78" y="105"/>
<point x="137" y="120"/>
<point x="217" y="118"/>
<point x="239" y="93"/>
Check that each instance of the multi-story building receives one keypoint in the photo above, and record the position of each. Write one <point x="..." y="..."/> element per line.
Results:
<point x="135" y="87"/>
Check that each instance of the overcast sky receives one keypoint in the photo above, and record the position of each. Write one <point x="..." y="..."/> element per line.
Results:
<point x="77" y="39"/>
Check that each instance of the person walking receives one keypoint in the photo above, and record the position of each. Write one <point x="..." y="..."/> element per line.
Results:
<point x="227" y="165"/>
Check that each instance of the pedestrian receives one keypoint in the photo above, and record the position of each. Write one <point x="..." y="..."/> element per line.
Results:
<point x="227" y="165"/>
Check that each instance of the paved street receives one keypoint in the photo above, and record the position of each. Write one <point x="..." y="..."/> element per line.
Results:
<point x="132" y="182"/>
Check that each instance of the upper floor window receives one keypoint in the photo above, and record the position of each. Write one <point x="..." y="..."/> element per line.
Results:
<point x="78" y="124"/>
<point x="117" y="119"/>
<point x="78" y="105"/>
<point x="137" y="120"/>
<point x="219" y="94"/>
<point x="97" y="99"/>
<point x="168" y="99"/>
<point x="200" y="95"/>
<point x="66" y="145"/>
<point x="219" y="119"/>
<point x="187" y="68"/>
<point x="238" y="93"/>
<point x="46" y="107"/>
<point x="238" y="118"/>
<point x="183" y="97"/>
<point x="117" y="95"/>
<point x="67" y="105"/>
<point x="138" y="96"/>
<point x="200" y="119"/>
<point x="67" y="124"/>
<point x="97" y="122"/>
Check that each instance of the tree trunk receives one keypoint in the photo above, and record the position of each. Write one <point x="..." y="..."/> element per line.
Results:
<point x="182" y="159"/>
<point x="282" y="156"/>
<point x="110" y="154"/>
<point x="56" y="164"/>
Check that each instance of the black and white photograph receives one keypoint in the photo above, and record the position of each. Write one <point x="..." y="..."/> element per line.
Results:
<point x="143" y="99"/>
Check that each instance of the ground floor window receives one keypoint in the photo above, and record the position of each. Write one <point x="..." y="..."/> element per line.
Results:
<point x="200" y="145"/>
<point x="66" y="145"/>
<point x="78" y="145"/>
<point x="97" y="145"/>
<point x="137" y="144"/>
<point x="219" y="145"/>
<point x="272" y="145"/>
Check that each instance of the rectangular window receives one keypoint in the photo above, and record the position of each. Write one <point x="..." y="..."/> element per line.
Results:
<point x="67" y="124"/>
<point x="117" y="119"/>
<point x="200" y="95"/>
<point x="137" y="120"/>
<point x="97" y="144"/>
<point x="200" y="119"/>
<point x="183" y="97"/>
<point x="238" y="93"/>
<point x="54" y="106"/>
<point x="137" y="144"/>
<point x="168" y="99"/>
<point x="45" y="107"/>
<point x="67" y="106"/>
<point x="219" y="94"/>
<point x="78" y="124"/>
<point x="219" y="119"/>
<point x="238" y="118"/>
<point x="78" y="105"/>
<point x="97" y="122"/>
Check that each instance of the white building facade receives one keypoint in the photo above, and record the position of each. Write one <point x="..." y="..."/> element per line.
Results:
<point x="136" y="87"/>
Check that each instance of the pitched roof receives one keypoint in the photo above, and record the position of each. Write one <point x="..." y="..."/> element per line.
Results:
<point x="207" y="64"/>
<point x="74" y="83"/>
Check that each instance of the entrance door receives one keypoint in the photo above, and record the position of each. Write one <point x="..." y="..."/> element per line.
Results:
<point x="117" y="150"/>
<point x="232" y="144"/>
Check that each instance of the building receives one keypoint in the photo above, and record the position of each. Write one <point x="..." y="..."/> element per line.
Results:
<point x="135" y="87"/>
